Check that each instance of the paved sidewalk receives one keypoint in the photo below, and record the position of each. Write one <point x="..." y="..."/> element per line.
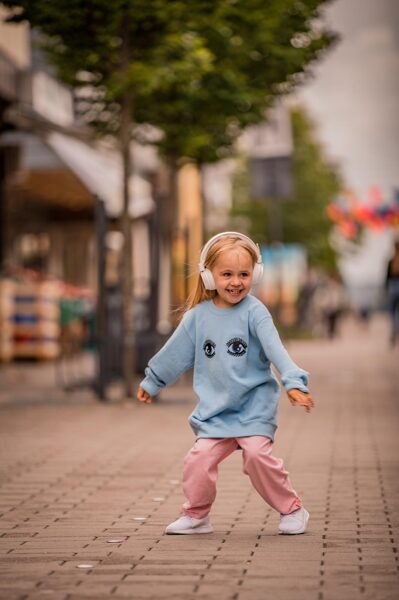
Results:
<point x="85" y="483"/>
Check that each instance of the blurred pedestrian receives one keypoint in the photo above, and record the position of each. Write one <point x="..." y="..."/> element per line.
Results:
<point x="331" y="301"/>
<point x="228" y="336"/>
<point x="306" y="299"/>
<point x="392" y="287"/>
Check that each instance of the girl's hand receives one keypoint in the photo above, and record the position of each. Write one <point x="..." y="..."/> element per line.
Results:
<point x="301" y="398"/>
<point x="143" y="396"/>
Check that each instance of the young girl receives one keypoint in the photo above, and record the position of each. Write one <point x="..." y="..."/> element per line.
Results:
<point x="228" y="336"/>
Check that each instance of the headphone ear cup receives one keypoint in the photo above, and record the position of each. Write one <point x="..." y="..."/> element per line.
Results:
<point x="208" y="280"/>
<point x="258" y="274"/>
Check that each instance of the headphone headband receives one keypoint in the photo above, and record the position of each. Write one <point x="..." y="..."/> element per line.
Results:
<point x="215" y="238"/>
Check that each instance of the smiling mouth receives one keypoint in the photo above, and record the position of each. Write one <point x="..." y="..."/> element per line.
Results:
<point x="235" y="292"/>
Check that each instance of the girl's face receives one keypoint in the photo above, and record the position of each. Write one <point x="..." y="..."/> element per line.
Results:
<point x="232" y="272"/>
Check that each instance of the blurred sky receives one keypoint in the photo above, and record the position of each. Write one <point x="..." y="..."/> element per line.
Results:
<point x="354" y="96"/>
<point x="354" y="100"/>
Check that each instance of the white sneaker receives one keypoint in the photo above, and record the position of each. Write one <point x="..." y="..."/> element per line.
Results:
<point x="186" y="525"/>
<point x="294" y="523"/>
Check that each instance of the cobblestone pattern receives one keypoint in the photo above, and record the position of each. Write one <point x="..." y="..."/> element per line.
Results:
<point x="75" y="477"/>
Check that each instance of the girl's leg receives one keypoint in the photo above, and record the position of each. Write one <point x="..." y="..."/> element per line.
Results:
<point x="267" y="474"/>
<point x="200" y="474"/>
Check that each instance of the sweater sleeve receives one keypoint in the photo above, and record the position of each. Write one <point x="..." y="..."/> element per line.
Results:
<point x="292" y="376"/>
<point x="173" y="359"/>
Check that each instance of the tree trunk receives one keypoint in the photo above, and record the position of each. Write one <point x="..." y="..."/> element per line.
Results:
<point x="172" y="230"/>
<point x="101" y="317"/>
<point x="126" y="125"/>
<point x="173" y="201"/>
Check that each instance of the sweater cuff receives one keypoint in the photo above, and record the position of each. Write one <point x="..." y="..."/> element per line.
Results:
<point x="296" y="382"/>
<point x="150" y="386"/>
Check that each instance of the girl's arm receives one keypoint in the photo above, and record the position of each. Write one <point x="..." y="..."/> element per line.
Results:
<point x="174" y="358"/>
<point x="292" y="376"/>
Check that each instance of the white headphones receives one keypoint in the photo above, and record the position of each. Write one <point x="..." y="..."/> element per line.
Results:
<point x="206" y="274"/>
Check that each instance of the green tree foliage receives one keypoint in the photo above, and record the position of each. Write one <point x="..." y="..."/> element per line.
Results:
<point x="258" y="50"/>
<point x="200" y="71"/>
<point x="303" y="217"/>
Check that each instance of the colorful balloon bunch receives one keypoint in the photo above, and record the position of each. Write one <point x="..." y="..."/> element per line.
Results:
<point x="351" y="215"/>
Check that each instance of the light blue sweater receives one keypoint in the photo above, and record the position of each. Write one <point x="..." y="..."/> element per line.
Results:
<point x="231" y="350"/>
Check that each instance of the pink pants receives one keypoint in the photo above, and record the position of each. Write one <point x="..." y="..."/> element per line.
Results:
<point x="265" y="472"/>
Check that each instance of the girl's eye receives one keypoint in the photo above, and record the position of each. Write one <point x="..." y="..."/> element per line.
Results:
<point x="236" y="347"/>
<point x="209" y="348"/>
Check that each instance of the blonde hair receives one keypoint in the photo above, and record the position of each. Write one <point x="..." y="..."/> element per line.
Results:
<point x="228" y="242"/>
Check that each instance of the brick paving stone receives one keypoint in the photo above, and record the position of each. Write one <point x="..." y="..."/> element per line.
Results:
<point x="75" y="473"/>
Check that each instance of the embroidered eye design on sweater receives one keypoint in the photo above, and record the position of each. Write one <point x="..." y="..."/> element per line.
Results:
<point x="236" y="346"/>
<point x="209" y="348"/>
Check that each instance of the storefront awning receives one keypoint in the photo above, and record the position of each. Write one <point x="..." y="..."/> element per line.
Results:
<point x="100" y="170"/>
